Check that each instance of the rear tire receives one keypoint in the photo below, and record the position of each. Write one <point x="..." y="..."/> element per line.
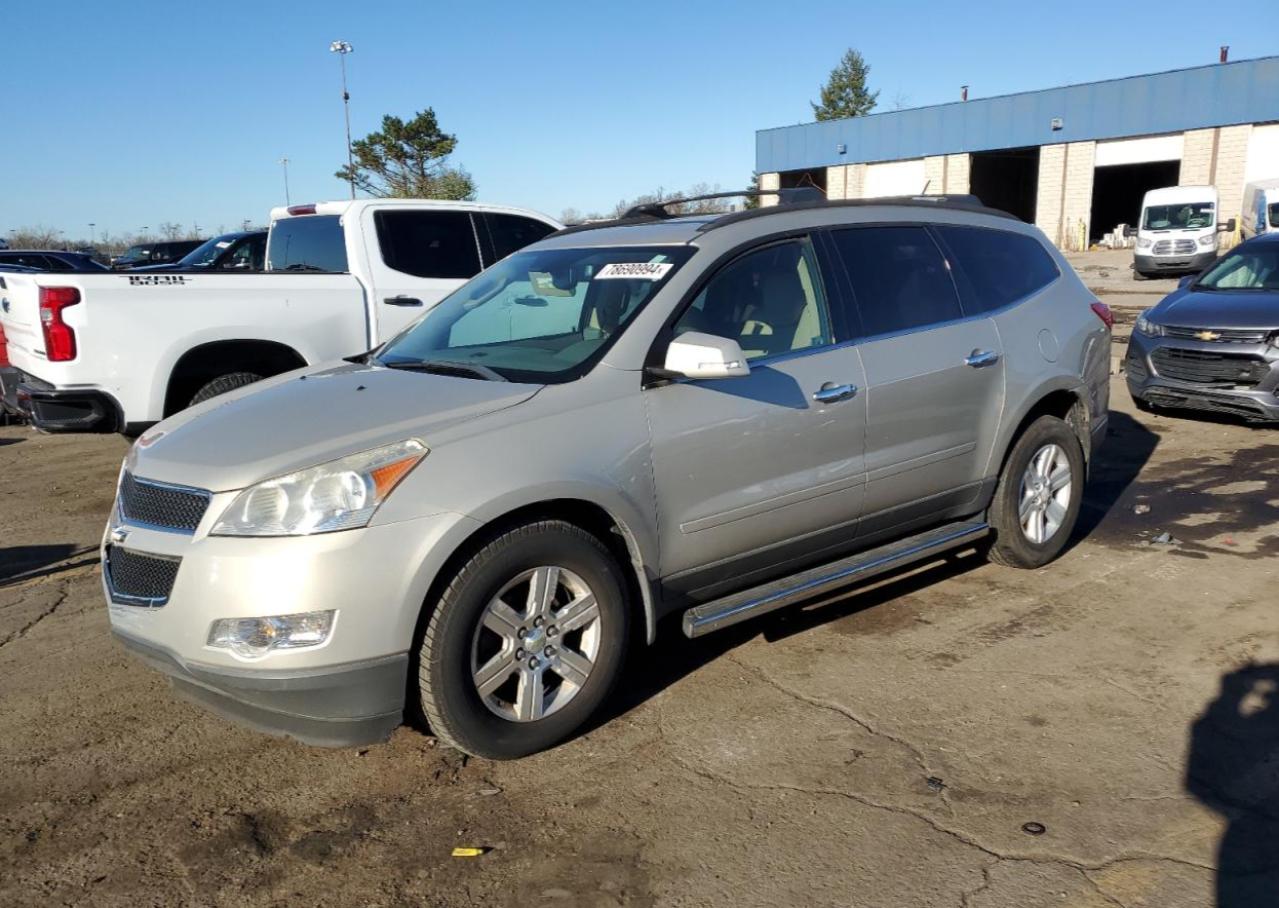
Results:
<point x="1140" y="275"/>
<point x="222" y="384"/>
<point x="1037" y="501"/>
<point x="1142" y="405"/>
<point x="478" y="691"/>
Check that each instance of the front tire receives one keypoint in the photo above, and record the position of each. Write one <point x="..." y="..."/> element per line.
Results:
<point x="525" y="643"/>
<point x="1040" y="490"/>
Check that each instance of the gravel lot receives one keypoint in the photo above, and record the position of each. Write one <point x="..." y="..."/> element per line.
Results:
<point x="883" y="748"/>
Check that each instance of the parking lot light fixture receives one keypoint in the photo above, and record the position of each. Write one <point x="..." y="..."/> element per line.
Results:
<point x="342" y="48"/>
<point x="284" y="162"/>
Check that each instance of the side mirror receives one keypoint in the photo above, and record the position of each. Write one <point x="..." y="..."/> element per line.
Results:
<point x="1228" y="227"/>
<point x="696" y="355"/>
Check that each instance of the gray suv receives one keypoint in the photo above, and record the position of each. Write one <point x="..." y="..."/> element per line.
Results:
<point x="713" y="416"/>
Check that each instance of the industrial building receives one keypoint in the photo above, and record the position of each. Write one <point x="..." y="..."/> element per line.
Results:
<point x="1074" y="160"/>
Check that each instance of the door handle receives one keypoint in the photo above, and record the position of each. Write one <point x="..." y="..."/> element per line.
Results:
<point x="402" y="301"/>
<point x="830" y="393"/>
<point x="979" y="358"/>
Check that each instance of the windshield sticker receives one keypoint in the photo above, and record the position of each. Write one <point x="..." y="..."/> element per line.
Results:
<point x="645" y="271"/>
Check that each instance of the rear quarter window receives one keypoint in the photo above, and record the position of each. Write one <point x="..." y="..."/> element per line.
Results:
<point x="996" y="268"/>
<point x="312" y="242"/>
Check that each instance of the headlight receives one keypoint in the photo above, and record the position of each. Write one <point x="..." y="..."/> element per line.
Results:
<point x="1147" y="327"/>
<point x="1210" y="240"/>
<point x="1144" y="242"/>
<point x="251" y="638"/>
<point x="340" y="495"/>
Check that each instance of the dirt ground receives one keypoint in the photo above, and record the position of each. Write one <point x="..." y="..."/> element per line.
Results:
<point x="894" y="746"/>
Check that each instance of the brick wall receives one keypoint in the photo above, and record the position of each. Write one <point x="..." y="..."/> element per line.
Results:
<point x="769" y="181"/>
<point x="957" y="167"/>
<point x="935" y="175"/>
<point x="1052" y="164"/>
<point x="1196" y="157"/>
<point x="1232" y="159"/>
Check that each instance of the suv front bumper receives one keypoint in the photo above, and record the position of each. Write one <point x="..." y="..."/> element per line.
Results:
<point x="1257" y="400"/>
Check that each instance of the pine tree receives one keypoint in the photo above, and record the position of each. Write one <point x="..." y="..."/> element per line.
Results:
<point x="845" y="93"/>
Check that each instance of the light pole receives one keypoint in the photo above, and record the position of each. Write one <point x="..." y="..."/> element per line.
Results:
<point x="144" y="232"/>
<point x="342" y="48"/>
<point x="91" y="226"/>
<point x="284" y="162"/>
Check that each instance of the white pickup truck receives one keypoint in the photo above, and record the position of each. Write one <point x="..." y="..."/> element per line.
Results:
<point x="117" y="352"/>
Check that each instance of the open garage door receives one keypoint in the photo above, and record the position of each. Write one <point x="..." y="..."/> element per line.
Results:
<point x="1117" y="190"/>
<point x="1007" y="179"/>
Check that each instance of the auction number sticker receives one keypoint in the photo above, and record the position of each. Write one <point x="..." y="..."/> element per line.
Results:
<point x="644" y="271"/>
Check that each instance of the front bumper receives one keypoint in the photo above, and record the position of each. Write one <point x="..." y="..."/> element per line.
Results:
<point x="1175" y="264"/>
<point x="1258" y="401"/>
<point x="348" y="690"/>
<point x="338" y="706"/>
<point x="61" y="409"/>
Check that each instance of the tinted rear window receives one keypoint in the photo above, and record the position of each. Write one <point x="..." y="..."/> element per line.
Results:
<point x="308" y="243"/>
<point x="997" y="267"/>
<point x="438" y="244"/>
<point x="899" y="278"/>
<point x="509" y="233"/>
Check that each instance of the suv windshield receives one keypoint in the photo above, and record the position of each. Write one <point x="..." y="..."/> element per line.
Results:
<point x="204" y="254"/>
<point x="1181" y="216"/>
<point x="1253" y="267"/>
<point x="542" y="316"/>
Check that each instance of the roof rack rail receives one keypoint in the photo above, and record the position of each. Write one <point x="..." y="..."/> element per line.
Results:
<point x="793" y="196"/>
<point x="964" y="202"/>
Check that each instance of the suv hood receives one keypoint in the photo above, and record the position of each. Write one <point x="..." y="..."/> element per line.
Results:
<point x="1188" y="308"/>
<point x="301" y="419"/>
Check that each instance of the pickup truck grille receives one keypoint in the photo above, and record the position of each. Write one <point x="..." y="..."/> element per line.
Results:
<point x="161" y="506"/>
<point x="1169" y="247"/>
<point x="1208" y="367"/>
<point x="1224" y="335"/>
<point x="137" y="579"/>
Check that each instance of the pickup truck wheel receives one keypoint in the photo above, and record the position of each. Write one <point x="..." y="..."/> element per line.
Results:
<point x="222" y="384"/>
<point x="525" y="643"/>
<point x="1038" y="497"/>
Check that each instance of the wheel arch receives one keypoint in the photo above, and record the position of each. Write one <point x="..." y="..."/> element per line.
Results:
<point x="1065" y="400"/>
<point x="616" y="532"/>
<point x="204" y="362"/>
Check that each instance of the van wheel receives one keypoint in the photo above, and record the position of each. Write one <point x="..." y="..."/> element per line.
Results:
<point x="525" y="642"/>
<point x="1038" y="497"/>
<point x="222" y="384"/>
<point x="1140" y="275"/>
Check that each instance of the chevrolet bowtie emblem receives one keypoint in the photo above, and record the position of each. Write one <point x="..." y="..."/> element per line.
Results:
<point x="1208" y="335"/>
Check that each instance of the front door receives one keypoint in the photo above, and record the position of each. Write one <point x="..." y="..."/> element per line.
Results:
<point x="759" y="473"/>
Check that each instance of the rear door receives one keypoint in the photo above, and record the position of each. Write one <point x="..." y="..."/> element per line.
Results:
<point x="417" y="257"/>
<point x="756" y="474"/>
<point x="934" y="376"/>
<point x="502" y="233"/>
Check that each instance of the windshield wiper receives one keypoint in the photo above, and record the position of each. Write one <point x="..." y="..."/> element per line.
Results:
<point x="302" y="266"/>
<point x="447" y="367"/>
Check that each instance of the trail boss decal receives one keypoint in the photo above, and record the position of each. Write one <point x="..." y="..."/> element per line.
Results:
<point x="644" y="271"/>
<point x="154" y="280"/>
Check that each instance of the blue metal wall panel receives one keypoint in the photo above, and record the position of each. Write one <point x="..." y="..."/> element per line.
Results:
<point x="1221" y="95"/>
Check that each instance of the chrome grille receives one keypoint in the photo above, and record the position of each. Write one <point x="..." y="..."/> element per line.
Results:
<point x="165" y="507"/>
<point x="1170" y="247"/>
<point x="134" y="578"/>
<point x="1208" y="367"/>
<point x="1225" y="335"/>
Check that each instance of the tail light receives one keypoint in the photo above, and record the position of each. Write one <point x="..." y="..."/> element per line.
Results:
<point x="1104" y="313"/>
<point x="302" y="209"/>
<point x="4" y="349"/>
<point x="59" y="337"/>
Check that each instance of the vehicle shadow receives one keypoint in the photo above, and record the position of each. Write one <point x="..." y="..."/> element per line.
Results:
<point x="27" y="562"/>
<point x="1233" y="769"/>
<point x="673" y="656"/>
<point x="1116" y="466"/>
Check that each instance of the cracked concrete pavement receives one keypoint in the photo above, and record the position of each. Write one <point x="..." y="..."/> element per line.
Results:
<point x="880" y="748"/>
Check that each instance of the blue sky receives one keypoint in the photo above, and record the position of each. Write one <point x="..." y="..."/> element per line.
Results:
<point x="134" y="114"/>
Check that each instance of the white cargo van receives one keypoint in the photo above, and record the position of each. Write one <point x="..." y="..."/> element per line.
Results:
<point x="1260" y="208"/>
<point x="1177" y="231"/>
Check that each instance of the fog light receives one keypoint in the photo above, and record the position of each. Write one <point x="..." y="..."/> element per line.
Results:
<point x="251" y="638"/>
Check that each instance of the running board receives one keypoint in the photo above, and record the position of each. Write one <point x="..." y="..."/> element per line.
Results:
<point x="730" y="610"/>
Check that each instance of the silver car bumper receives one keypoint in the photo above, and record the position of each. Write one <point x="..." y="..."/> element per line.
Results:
<point x="1238" y="379"/>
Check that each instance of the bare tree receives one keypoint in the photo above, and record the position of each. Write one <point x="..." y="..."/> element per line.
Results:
<point x="170" y="230"/>
<point x="37" y="237"/>
<point x="702" y="206"/>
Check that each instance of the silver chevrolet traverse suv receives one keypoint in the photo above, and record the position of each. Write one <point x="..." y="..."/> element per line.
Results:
<point x="711" y="415"/>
